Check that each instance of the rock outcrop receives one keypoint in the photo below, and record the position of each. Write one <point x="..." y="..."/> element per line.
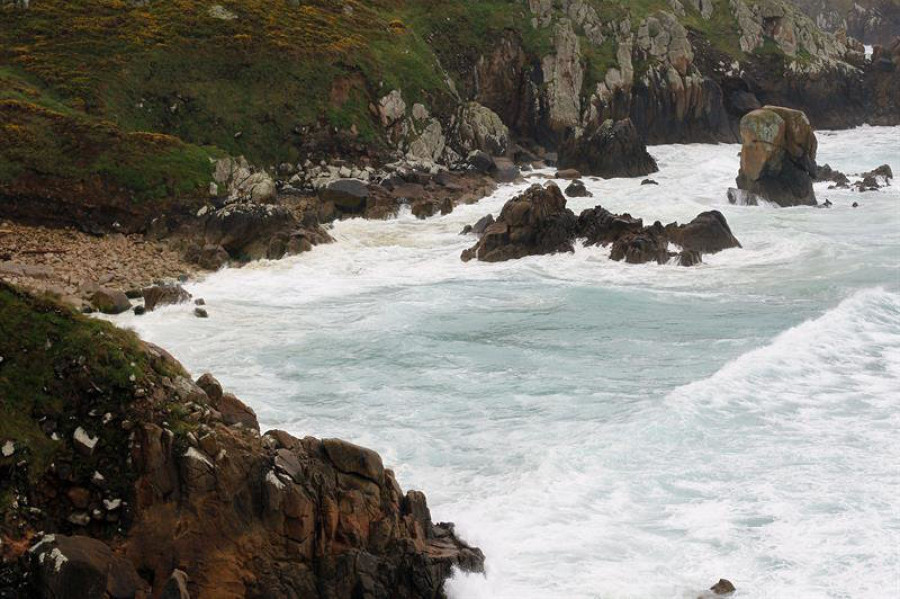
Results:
<point x="778" y="156"/>
<point x="538" y="222"/>
<point x="179" y="494"/>
<point x="612" y="149"/>
<point x="535" y="222"/>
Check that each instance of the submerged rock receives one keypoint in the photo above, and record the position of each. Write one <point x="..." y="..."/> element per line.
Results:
<point x="778" y="156"/>
<point x="576" y="189"/>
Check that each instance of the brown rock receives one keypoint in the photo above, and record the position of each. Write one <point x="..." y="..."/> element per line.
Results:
<point x="354" y="459"/>
<point x="110" y="301"/>
<point x="162" y="295"/>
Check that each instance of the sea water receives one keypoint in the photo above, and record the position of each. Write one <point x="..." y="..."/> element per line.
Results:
<point x="601" y="429"/>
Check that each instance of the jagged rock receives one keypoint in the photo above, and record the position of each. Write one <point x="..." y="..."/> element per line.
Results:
<point x="353" y="459"/>
<point x="614" y="149"/>
<point x="576" y="189"/>
<point x="347" y="195"/>
<point x="647" y="245"/>
<point x="162" y="295"/>
<point x="740" y="197"/>
<point x="234" y="411"/>
<point x="599" y="226"/>
<point x="649" y="182"/>
<point x="480" y="225"/>
<point x="80" y="567"/>
<point x="778" y="156"/>
<point x="480" y="128"/>
<point x="211" y="386"/>
<point x="708" y="233"/>
<point x="110" y="301"/>
<point x="480" y="162"/>
<point x="826" y="173"/>
<point x="243" y="182"/>
<point x="563" y="76"/>
<point x="723" y="587"/>
<point x="430" y="143"/>
<point x="535" y="222"/>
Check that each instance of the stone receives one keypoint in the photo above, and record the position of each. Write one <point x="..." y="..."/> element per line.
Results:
<point x="176" y="586"/>
<point x="649" y="182"/>
<point x="778" y="156"/>
<point x="480" y="225"/>
<point x="163" y="295"/>
<point x="723" y="587"/>
<point x="110" y="301"/>
<point x="613" y="149"/>
<point x="212" y="257"/>
<point x="348" y="195"/>
<point x="569" y="174"/>
<point x="353" y="459"/>
<point x="534" y="222"/>
<point x="707" y="233"/>
<point x="79" y="567"/>
<point x="234" y="411"/>
<point x="211" y="387"/>
<point x="505" y="170"/>
<point x="576" y="189"/>
<point x="201" y="312"/>
<point x="480" y="128"/>
<point x="480" y="161"/>
<point x="423" y="209"/>
<point x="246" y="230"/>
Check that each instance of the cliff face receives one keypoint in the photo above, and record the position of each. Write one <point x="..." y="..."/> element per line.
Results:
<point x="292" y="83"/>
<point x="870" y="21"/>
<point x="133" y="472"/>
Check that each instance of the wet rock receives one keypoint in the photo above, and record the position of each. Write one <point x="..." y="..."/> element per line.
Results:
<point x="353" y="459"/>
<point x="740" y="197"/>
<point x="648" y="245"/>
<point x="535" y="222"/>
<point x="246" y="230"/>
<point x="826" y="173"/>
<point x="479" y="227"/>
<point x="234" y="411"/>
<point x="689" y="258"/>
<point x="110" y="301"/>
<point x="567" y="173"/>
<point x="612" y="149"/>
<point x="599" y="226"/>
<point x="778" y="156"/>
<point x="211" y="257"/>
<point x="708" y="233"/>
<point x="347" y="195"/>
<point x="649" y="182"/>
<point x="201" y="312"/>
<point x="163" y="295"/>
<point x="480" y="162"/>
<point x="723" y="587"/>
<point x="423" y="209"/>
<point x="140" y="310"/>
<point x="576" y="189"/>
<point x="505" y="170"/>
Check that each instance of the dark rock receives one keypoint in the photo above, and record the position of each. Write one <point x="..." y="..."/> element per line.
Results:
<point x="140" y="310"/>
<point x="211" y="257"/>
<point x="201" y="313"/>
<point x="110" y="301"/>
<point x="707" y="233"/>
<point x="211" y="387"/>
<point x="576" y="189"/>
<point x="778" y="156"/>
<point x="613" y="149"/>
<point x="723" y="587"/>
<point x="689" y="258"/>
<point x="163" y="295"/>
<point x="176" y="586"/>
<point x="743" y="101"/>
<point x="234" y="411"/>
<point x="446" y="206"/>
<point x="740" y="197"/>
<point x="199" y="302"/>
<point x="882" y="171"/>
<point x="246" y="230"/>
<point x="599" y="226"/>
<point x="569" y="174"/>
<point x="80" y="567"/>
<point x="854" y="205"/>
<point x="647" y="245"/>
<point x="347" y="195"/>
<point x="649" y="182"/>
<point x="505" y="170"/>
<point x="480" y="161"/>
<point x="826" y="173"/>
<point x="423" y="209"/>
<point x="134" y="293"/>
<point x="535" y="222"/>
<point x="479" y="227"/>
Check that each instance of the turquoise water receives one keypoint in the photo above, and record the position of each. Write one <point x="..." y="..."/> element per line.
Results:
<point x="603" y="429"/>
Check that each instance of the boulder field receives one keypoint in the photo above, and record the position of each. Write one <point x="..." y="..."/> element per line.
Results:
<point x="122" y="477"/>
<point x="538" y="222"/>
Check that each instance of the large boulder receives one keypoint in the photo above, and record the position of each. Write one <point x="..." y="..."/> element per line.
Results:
<point x="82" y="568"/>
<point x="479" y="128"/>
<point x="110" y="301"/>
<point x="612" y="149"/>
<point x="237" y="179"/>
<point x="163" y="295"/>
<point x="708" y="233"/>
<point x="247" y="230"/>
<point x="347" y="195"/>
<point x="535" y="222"/>
<point x="778" y="156"/>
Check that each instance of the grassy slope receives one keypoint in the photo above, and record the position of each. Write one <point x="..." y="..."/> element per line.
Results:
<point x="278" y="72"/>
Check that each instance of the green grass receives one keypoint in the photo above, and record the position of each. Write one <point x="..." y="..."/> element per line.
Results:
<point x="58" y="366"/>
